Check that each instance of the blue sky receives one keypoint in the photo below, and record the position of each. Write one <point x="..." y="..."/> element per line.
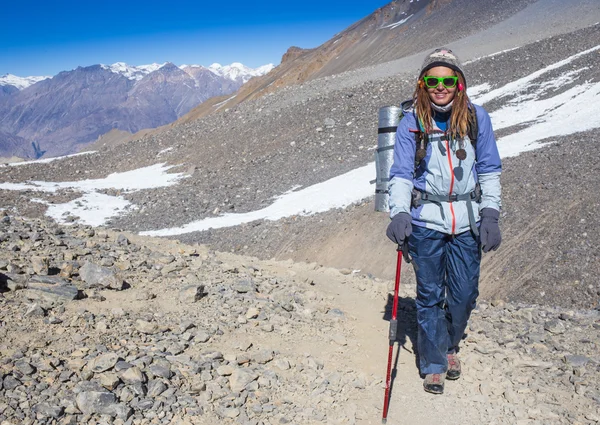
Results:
<point x="44" y="38"/>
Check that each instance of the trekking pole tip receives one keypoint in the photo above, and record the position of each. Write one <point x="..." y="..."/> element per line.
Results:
<point x="384" y="421"/>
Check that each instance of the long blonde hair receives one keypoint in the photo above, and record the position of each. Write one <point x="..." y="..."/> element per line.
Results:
<point x="459" y="117"/>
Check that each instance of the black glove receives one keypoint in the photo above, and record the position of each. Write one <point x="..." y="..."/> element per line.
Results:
<point x="400" y="228"/>
<point x="489" y="229"/>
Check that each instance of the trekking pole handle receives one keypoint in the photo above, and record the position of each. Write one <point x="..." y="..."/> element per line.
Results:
<point x="404" y="249"/>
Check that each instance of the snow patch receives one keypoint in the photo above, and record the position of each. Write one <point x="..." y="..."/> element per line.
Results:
<point x="338" y="192"/>
<point x="523" y="83"/>
<point x="95" y="208"/>
<point x="92" y="208"/>
<point x="46" y="160"/>
<point x="490" y="55"/>
<point x="398" y="23"/>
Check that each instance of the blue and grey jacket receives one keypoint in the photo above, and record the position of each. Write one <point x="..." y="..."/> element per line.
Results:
<point x="442" y="175"/>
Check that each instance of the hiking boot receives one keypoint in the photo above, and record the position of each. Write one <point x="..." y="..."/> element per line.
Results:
<point x="434" y="383"/>
<point x="453" y="367"/>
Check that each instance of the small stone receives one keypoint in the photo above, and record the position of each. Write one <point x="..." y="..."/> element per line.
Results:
<point x="156" y="387"/>
<point x="50" y="294"/>
<point x="47" y="410"/>
<point x="244" y="286"/>
<point x="35" y="310"/>
<point x="133" y="375"/>
<point x="202" y="336"/>
<point x="197" y="386"/>
<point x="225" y="370"/>
<point x="335" y="312"/>
<point x="24" y="367"/>
<point x="252" y="313"/>
<point x="240" y="378"/>
<point x="263" y="356"/>
<point x="122" y="365"/>
<point x="102" y="403"/>
<point x="100" y="277"/>
<point x="282" y="364"/>
<point x="10" y="382"/>
<point x="148" y="328"/>
<point x="532" y="363"/>
<point x="66" y="270"/>
<point x="191" y="293"/>
<point x="40" y="265"/>
<point x="576" y="361"/>
<point x="103" y="362"/>
<point x="511" y="396"/>
<point x="53" y="320"/>
<point x="109" y="380"/>
<point x="556" y="327"/>
<point x="228" y="412"/>
<point x="243" y="358"/>
<point x="122" y="240"/>
<point x="160" y="371"/>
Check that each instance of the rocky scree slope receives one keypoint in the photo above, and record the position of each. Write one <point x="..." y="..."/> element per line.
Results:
<point x="238" y="160"/>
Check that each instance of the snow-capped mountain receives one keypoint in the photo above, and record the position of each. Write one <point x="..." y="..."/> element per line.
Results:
<point x="19" y="82"/>
<point x="239" y="72"/>
<point x="236" y="71"/>
<point x="90" y="101"/>
<point x="132" y="72"/>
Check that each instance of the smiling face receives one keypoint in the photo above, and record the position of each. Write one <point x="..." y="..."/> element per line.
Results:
<point x="441" y="95"/>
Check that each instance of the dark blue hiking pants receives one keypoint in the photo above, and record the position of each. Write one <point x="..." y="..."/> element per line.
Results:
<point x="447" y="270"/>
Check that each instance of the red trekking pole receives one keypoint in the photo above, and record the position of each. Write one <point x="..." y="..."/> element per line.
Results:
<point x="392" y="334"/>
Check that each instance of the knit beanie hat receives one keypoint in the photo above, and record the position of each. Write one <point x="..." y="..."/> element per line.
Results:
<point x="442" y="57"/>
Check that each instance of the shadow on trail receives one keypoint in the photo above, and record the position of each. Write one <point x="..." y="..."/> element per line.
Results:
<point x="407" y="330"/>
<point x="4" y="279"/>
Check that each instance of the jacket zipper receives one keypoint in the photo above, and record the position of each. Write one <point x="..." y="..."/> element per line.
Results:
<point x="451" y="185"/>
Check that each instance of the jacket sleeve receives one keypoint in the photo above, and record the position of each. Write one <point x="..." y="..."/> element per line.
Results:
<point x="402" y="170"/>
<point x="488" y="165"/>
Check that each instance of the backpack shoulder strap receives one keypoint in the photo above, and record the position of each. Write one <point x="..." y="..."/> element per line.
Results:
<point x="473" y="126"/>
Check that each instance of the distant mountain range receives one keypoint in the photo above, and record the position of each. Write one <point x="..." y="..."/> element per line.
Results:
<point x="19" y="83"/>
<point x="52" y="116"/>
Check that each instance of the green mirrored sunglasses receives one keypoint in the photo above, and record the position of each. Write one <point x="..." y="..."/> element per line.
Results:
<point x="433" y="82"/>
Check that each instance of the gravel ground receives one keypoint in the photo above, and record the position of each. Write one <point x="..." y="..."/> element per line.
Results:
<point x="99" y="327"/>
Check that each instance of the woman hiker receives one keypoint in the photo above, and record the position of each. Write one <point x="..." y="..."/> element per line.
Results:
<point x="445" y="201"/>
